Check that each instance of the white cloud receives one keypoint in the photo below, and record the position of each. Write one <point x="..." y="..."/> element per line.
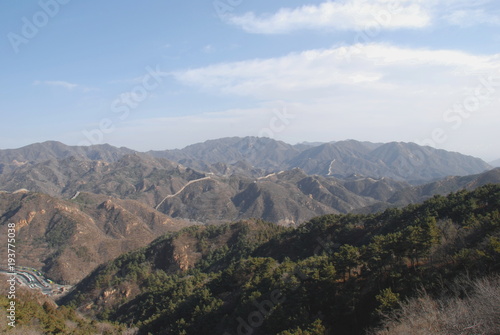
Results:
<point x="341" y="15"/>
<point x="364" y="15"/>
<point x="399" y="116"/>
<point x="64" y="84"/>
<point x="208" y="48"/>
<point x="471" y="17"/>
<point x="378" y="93"/>
<point x="314" y="69"/>
<point x="58" y="83"/>
<point x="372" y="67"/>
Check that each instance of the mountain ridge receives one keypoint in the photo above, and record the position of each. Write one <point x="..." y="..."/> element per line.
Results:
<point x="397" y="160"/>
<point x="239" y="191"/>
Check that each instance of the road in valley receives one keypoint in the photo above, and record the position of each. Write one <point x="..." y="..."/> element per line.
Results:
<point x="33" y="279"/>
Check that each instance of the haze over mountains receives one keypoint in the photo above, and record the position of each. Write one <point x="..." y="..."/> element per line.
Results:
<point x="495" y="163"/>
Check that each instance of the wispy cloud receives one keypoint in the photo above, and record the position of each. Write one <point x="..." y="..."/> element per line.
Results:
<point x="341" y="15"/>
<point x="380" y="92"/>
<point x="395" y="115"/>
<point x="312" y="72"/>
<point x="472" y="17"/>
<point x="63" y="84"/>
<point x="208" y="48"/>
<point x="369" y="14"/>
<point x="59" y="83"/>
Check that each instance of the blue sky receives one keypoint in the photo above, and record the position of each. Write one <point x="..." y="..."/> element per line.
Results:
<point x="166" y="74"/>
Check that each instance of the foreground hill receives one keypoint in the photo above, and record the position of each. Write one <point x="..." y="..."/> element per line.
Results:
<point x="67" y="239"/>
<point x="38" y="314"/>
<point x="332" y="275"/>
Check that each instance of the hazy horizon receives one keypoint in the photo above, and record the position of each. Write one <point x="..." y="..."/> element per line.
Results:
<point x="165" y="75"/>
<point x="180" y="148"/>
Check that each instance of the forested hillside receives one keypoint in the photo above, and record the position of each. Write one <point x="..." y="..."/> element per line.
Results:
<point x="336" y="274"/>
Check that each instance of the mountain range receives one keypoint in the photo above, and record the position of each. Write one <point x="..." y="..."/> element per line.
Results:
<point x="77" y="207"/>
<point x="181" y="241"/>
<point x="236" y="178"/>
<point x="396" y="160"/>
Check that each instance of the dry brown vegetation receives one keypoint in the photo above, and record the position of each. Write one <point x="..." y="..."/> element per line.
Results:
<point x="37" y="314"/>
<point x="474" y="309"/>
<point x="67" y="239"/>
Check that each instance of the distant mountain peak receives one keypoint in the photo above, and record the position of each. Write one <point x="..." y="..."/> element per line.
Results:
<point x="397" y="160"/>
<point x="495" y="163"/>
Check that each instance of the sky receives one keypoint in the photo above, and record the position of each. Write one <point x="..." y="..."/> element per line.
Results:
<point x="165" y="74"/>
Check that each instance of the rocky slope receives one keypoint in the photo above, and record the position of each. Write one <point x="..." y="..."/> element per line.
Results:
<point x="67" y="239"/>
<point x="287" y="197"/>
<point x="132" y="176"/>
